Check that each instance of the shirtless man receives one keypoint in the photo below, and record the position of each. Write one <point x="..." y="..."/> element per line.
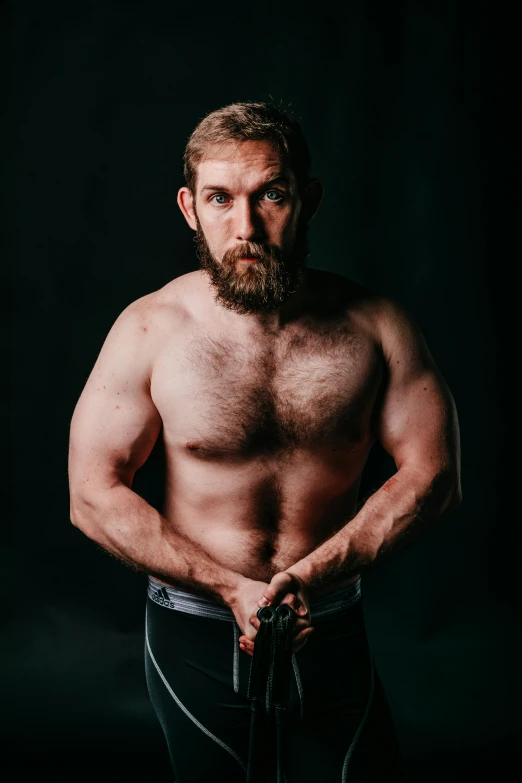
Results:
<point x="269" y="382"/>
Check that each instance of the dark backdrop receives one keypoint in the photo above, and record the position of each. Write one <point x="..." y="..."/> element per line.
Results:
<point x="393" y="99"/>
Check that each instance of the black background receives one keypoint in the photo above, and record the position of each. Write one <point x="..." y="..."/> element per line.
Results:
<point x="407" y="107"/>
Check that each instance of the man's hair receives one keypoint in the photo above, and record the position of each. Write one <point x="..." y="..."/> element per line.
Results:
<point x="243" y="122"/>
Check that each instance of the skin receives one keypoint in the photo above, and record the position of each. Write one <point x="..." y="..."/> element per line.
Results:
<point x="267" y="419"/>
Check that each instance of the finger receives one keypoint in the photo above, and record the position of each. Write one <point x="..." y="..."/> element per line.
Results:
<point x="255" y="622"/>
<point x="296" y="604"/>
<point x="302" y="608"/>
<point x="280" y="585"/>
<point x="304" y="633"/>
<point x="300" y="605"/>
<point x="300" y="640"/>
<point x="291" y="600"/>
<point x="300" y="625"/>
<point x="247" y="647"/>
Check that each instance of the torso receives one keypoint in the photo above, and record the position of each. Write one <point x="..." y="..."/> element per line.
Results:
<point x="266" y="436"/>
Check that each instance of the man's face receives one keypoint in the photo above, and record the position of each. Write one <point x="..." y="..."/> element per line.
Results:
<point x="250" y="228"/>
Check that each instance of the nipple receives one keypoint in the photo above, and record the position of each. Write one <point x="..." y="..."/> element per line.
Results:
<point x="193" y="445"/>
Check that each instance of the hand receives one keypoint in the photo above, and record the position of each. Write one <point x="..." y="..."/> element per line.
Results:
<point x="245" y="606"/>
<point x="284" y="588"/>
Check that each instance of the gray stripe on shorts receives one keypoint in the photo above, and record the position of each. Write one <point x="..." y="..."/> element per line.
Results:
<point x="299" y="686"/>
<point x="351" y="749"/>
<point x="235" y="658"/>
<point x="184" y="709"/>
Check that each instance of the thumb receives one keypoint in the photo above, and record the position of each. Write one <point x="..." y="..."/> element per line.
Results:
<point x="277" y="589"/>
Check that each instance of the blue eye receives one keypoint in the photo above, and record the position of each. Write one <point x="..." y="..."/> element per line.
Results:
<point x="219" y="196"/>
<point x="275" y="193"/>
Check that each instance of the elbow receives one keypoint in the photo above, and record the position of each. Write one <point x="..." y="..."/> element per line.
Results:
<point x="75" y="517"/>
<point x="81" y="514"/>
<point x="455" y="497"/>
<point x="441" y="490"/>
<point x="452" y="491"/>
<point x="74" y="509"/>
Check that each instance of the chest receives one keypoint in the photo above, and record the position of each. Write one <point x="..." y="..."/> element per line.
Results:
<point x="221" y="397"/>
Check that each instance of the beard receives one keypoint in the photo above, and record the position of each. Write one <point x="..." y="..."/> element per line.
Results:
<point x="260" y="287"/>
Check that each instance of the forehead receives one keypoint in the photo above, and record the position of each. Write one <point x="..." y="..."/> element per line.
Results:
<point x="243" y="164"/>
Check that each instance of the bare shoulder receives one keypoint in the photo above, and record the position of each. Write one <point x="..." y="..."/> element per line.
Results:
<point x="141" y="330"/>
<point x="381" y="319"/>
<point x="168" y="307"/>
<point x="336" y="293"/>
<point x="333" y="287"/>
<point x="396" y="328"/>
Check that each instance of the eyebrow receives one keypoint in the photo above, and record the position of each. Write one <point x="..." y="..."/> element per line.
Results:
<point x="277" y="178"/>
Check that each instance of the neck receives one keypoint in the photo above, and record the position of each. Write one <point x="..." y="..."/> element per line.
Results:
<point x="274" y="321"/>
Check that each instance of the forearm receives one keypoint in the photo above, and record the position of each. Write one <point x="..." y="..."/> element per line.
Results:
<point x="127" y="527"/>
<point x="402" y="509"/>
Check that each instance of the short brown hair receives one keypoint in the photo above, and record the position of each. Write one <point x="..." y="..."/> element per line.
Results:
<point x="243" y="122"/>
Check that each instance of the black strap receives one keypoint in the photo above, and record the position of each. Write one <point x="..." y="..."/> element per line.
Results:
<point x="269" y="681"/>
<point x="260" y="666"/>
<point x="281" y="658"/>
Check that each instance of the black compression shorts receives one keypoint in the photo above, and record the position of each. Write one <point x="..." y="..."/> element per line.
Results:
<point x="339" y="727"/>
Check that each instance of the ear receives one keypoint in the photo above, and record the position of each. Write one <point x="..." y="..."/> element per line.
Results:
<point x="186" y="204"/>
<point x="313" y="196"/>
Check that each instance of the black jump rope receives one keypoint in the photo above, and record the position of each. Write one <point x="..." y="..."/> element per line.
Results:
<point x="269" y="682"/>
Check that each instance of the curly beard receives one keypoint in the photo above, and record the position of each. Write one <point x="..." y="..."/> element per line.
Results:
<point x="255" y="288"/>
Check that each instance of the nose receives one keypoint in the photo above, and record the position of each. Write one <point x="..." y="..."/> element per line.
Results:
<point x="249" y="227"/>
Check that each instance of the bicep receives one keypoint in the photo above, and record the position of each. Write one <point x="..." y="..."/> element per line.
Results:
<point x="115" y="423"/>
<point x="418" y="422"/>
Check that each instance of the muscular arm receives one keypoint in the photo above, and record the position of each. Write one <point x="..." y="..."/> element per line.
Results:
<point x="418" y="427"/>
<point x="114" y="427"/>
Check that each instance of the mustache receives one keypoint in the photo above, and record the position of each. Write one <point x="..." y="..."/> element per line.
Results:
<point x="255" y="288"/>
<point x="264" y="253"/>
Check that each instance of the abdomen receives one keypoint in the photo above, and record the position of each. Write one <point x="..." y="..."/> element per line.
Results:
<point x="262" y="516"/>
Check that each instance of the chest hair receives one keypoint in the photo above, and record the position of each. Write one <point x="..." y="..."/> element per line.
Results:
<point x="303" y="391"/>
